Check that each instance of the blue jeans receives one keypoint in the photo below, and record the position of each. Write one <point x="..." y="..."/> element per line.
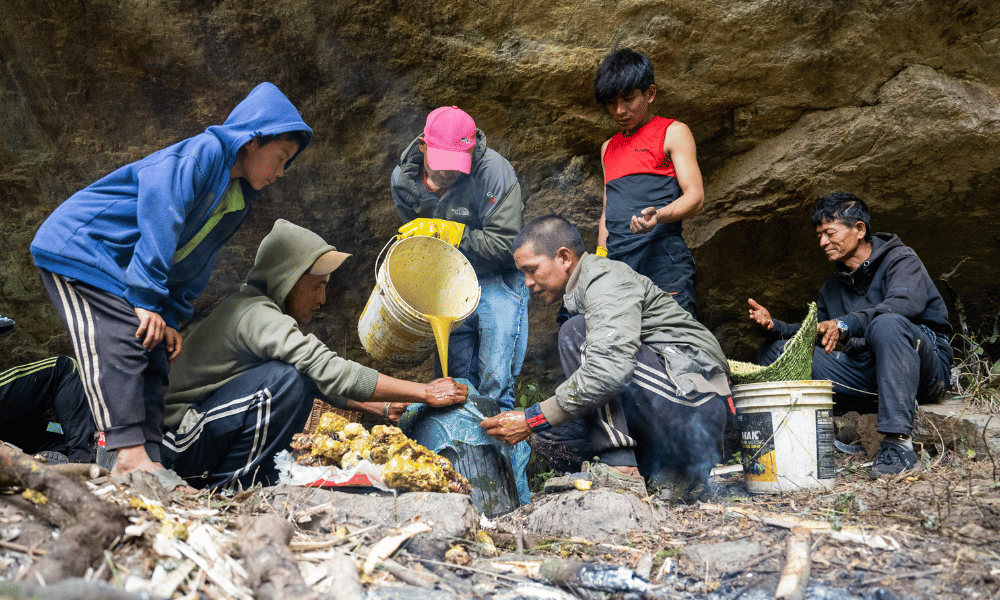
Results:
<point x="488" y="350"/>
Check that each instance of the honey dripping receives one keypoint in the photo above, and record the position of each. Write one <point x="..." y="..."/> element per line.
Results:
<point x="442" y="330"/>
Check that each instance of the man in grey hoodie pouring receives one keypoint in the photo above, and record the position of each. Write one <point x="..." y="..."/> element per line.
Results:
<point x="246" y="380"/>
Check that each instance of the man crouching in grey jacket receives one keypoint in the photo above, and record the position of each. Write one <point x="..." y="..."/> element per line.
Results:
<point x="647" y="385"/>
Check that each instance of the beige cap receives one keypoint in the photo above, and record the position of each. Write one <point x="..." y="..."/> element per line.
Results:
<point x="328" y="263"/>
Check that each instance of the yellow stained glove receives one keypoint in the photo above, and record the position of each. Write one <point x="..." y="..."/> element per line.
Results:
<point x="447" y="231"/>
<point x="601" y="251"/>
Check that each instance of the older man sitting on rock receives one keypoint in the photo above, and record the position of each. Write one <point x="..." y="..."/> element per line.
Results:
<point x="881" y="303"/>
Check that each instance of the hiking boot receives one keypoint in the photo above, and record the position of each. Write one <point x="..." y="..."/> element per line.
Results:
<point x="607" y="476"/>
<point x="893" y="459"/>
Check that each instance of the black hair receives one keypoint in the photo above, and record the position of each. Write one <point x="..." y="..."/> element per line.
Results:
<point x="547" y="234"/>
<point x="620" y="72"/>
<point x="844" y="207"/>
<point x="299" y="137"/>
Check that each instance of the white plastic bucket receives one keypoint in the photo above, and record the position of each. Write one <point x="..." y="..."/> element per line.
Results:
<point x="420" y="275"/>
<point x="786" y="428"/>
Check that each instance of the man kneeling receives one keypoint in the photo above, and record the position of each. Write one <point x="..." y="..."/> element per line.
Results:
<point x="647" y="385"/>
<point x="246" y="379"/>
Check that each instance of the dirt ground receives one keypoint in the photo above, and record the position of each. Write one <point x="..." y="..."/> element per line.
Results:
<point x="932" y="534"/>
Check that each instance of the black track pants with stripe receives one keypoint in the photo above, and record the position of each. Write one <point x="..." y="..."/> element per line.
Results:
<point x="232" y="436"/>
<point x="29" y="392"/>
<point x="124" y="382"/>
<point x="649" y="425"/>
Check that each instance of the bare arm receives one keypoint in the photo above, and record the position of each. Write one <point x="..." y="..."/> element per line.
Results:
<point x="440" y="392"/>
<point x="679" y="146"/>
<point x="602" y="229"/>
<point x="391" y="410"/>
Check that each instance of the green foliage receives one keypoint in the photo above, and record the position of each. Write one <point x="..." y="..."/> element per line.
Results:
<point x="978" y="372"/>
<point x="529" y="392"/>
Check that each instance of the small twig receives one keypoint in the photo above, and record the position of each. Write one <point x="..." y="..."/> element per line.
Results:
<point x="20" y="548"/>
<point x="475" y="570"/>
<point x="903" y="576"/>
<point x="309" y="546"/>
<point x="408" y="575"/>
<point x="989" y="452"/>
<point x="664" y="567"/>
<point x="753" y="563"/>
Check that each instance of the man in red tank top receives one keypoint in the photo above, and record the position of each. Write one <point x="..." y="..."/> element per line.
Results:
<point x="651" y="179"/>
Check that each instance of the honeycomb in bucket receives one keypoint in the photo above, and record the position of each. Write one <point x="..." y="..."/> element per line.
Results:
<point x="406" y="465"/>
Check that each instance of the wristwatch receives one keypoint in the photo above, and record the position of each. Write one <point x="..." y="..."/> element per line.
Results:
<point x="841" y="326"/>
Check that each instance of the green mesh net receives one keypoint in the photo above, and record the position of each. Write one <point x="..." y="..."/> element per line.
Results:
<point x="794" y="364"/>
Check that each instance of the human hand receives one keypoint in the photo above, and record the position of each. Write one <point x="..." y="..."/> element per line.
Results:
<point x="445" y="392"/>
<point x="760" y="315"/>
<point x="396" y="410"/>
<point x="644" y="222"/>
<point x="174" y="341"/>
<point x="830" y="335"/>
<point x="447" y="231"/>
<point x="151" y="325"/>
<point x="509" y="427"/>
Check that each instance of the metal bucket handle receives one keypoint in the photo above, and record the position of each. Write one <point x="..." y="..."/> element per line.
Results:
<point x="378" y="258"/>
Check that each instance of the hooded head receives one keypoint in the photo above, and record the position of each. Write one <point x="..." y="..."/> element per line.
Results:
<point x="286" y="255"/>
<point x="264" y="113"/>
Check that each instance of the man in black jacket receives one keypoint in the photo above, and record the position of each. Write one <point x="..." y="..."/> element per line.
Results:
<point x="883" y="306"/>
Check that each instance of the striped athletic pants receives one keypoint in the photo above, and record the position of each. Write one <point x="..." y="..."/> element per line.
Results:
<point x="230" y="438"/>
<point x="649" y="425"/>
<point x="29" y="392"/>
<point x="123" y="382"/>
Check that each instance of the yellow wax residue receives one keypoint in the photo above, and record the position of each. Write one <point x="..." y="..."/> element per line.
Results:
<point x="442" y="330"/>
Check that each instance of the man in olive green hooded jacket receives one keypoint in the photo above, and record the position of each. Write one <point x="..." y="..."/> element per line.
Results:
<point x="246" y="380"/>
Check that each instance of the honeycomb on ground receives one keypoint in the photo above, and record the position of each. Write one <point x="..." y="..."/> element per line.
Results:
<point x="406" y="465"/>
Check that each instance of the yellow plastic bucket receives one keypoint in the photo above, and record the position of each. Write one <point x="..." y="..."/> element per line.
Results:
<point x="786" y="429"/>
<point x="420" y="275"/>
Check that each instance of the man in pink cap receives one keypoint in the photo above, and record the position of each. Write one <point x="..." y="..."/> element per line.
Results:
<point x="449" y="185"/>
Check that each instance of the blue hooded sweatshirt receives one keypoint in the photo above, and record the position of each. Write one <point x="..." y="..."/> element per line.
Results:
<point x="120" y="233"/>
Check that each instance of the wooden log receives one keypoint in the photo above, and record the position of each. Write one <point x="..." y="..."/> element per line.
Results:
<point x="76" y="471"/>
<point x="273" y="574"/>
<point x="795" y="576"/>
<point x="97" y="525"/>
<point x="68" y="589"/>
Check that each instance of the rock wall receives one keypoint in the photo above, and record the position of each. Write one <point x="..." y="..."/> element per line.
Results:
<point x="788" y="100"/>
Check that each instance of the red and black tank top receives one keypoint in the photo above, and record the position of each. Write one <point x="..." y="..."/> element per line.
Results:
<point x="641" y="152"/>
<point x="638" y="174"/>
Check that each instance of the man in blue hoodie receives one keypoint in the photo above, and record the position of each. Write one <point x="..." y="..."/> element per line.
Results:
<point x="124" y="258"/>
<point x="881" y="303"/>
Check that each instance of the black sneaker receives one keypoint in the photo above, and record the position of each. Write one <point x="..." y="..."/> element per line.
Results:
<point x="6" y="325"/>
<point x="893" y="459"/>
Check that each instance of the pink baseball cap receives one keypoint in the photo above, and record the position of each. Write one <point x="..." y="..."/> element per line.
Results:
<point x="450" y="135"/>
